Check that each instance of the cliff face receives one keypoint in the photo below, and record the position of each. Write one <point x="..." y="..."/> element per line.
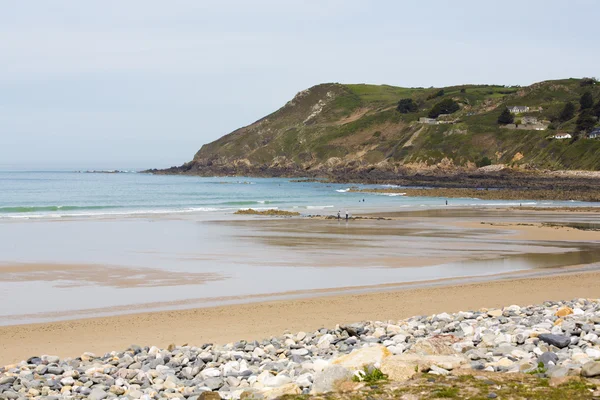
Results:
<point x="334" y="129"/>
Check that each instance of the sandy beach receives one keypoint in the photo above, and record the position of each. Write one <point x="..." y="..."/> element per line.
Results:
<point x="262" y="320"/>
<point x="516" y="236"/>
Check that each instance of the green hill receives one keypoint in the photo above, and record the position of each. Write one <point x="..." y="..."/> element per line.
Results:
<point x="332" y="128"/>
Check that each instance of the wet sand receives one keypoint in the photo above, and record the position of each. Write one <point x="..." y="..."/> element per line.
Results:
<point x="262" y="320"/>
<point x="508" y="236"/>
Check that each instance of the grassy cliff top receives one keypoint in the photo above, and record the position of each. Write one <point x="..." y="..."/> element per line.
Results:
<point x="335" y="127"/>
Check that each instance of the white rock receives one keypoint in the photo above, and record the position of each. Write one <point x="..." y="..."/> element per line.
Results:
<point x="445" y="317"/>
<point x="299" y="352"/>
<point x="153" y="351"/>
<point x="325" y="341"/>
<point x="276" y="381"/>
<point x="210" y="373"/>
<point x="258" y="352"/>
<point x="467" y="328"/>
<point x="435" y="370"/>
<point x="593" y="353"/>
<point x="319" y="364"/>
<point x="379" y="332"/>
<point x="304" y="380"/>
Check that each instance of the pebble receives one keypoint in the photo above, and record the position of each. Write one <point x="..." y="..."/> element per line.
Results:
<point x="563" y="336"/>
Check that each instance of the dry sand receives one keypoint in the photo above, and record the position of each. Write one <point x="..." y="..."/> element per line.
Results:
<point x="256" y="321"/>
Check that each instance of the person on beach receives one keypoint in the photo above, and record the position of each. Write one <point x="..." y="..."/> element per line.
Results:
<point x="446" y="202"/>
<point x="338" y="215"/>
<point x="346" y="215"/>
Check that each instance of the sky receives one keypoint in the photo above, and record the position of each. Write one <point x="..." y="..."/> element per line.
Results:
<point x="145" y="83"/>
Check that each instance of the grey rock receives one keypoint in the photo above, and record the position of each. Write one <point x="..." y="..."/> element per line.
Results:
<point x="213" y="383"/>
<point x="547" y="358"/>
<point x="590" y="369"/>
<point x="326" y="380"/>
<point x="559" y="341"/>
<point x="97" y="394"/>
<point x="7" y="379"/>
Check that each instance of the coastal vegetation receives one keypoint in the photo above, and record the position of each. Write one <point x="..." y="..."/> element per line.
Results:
<point x="359" y="129"/>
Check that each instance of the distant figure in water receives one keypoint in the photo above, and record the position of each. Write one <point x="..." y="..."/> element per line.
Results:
<point x="446" y="202"/>
<point x="346" y="215"/>
<point x="363" y="200"/>
<point x="338" y="215"/>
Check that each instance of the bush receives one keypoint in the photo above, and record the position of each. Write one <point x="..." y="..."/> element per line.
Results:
<point x="463" y="90"/>
<point x="567" y="112"/>
<point x="586" y="101"/>
<point x="406" y="106"/>
<point x="484" y="162"/>
<point x="506" y="117"/>
<point x="447" y="106"/>
<point x="439" y="93"/>
<point x="369" y="375"/>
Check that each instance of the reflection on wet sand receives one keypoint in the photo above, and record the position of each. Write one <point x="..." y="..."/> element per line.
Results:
<point x="201" y="262"/>
<point x="65" y="276"/>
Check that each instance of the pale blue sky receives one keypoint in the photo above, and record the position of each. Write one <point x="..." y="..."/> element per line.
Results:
<point x="139" y="84"/>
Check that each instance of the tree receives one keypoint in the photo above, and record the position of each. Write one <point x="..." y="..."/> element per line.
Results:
<point x="447" y="106"/>
<point x="406" y="106"/>
<point x="586" y="101"/>
<point x="506" y="117"/>
<point x="586" y="121"/>
<point x="596" y="109"/>
<point x="587" y="82"/>
<point x="463" y="90"/>
<point x="567" y="112"/>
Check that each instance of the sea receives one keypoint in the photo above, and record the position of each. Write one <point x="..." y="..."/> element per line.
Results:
<point x="76" y="244"/>
<point x="60" y="194"/>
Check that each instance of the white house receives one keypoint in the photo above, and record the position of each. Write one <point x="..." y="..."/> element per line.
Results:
<point x="518" y="109"/>
<point x="430" y="121"/>
<point x="562" y="136"/>
<point x="595" y="134"/>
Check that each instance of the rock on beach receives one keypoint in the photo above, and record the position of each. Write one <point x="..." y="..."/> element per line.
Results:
<point x="562" y="336"/>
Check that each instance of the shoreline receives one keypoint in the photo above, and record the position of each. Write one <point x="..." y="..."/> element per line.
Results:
<point x="255" y="321"/>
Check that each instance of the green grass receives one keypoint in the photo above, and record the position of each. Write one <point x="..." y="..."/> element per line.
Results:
<point x="371" y="375"/>
<point x="285" y="132"/>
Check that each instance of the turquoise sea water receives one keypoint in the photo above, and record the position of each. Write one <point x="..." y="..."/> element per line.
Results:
<point x="68" y="194"/>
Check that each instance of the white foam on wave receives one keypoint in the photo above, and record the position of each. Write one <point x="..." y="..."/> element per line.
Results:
<point x="317" y="207"/>
<point x="259" y="208"/>
<point x="391" y="194"/>
<point x="342" y="190"/>
<point x="113" y="213"/>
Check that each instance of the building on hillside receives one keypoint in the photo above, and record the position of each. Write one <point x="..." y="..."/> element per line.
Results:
<point x="518" y="109"/>
<point x="426" y="120"/>
<point x="561" y="136"/>
<point x="595" y="134"/>
<point x="529" y="120"/>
